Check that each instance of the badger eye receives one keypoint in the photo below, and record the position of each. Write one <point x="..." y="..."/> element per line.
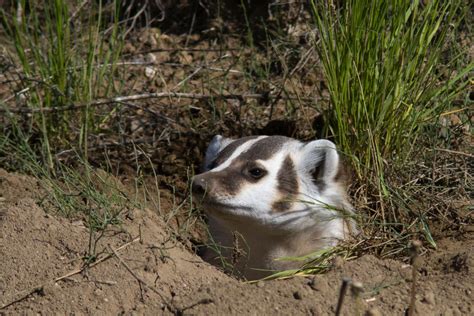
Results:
<point x="256" y="173"/>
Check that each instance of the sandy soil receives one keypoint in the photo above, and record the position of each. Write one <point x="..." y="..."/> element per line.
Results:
<point x="42" y="271"/>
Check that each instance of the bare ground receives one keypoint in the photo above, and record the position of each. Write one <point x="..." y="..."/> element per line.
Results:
<point x="153" y="273"/>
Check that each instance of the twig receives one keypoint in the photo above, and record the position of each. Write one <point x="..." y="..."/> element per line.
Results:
<point x="142" y="282"/>
<point x="200" y="302"/>
<point x="196" y="71"/>
<point x="182" y="49"/>
<point x="453" y="111"/>
<point x="415" y="249"/>
<point x="147" y="140"/>
<point x="176" y="65"/>
<point x="156" y="95"/>
<point x="342" y="293"/>
<point x="76" y="12"/>
<point x="108" y="256"/>
<point x="300" y="64"/>
<point x="356" y="290"/>
<point x="38" y="289"/>
<point x="455" y="152"/>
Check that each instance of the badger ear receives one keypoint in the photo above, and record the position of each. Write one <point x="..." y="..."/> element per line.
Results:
<point x="321" y="160"/>
<point x="216" y="145"/>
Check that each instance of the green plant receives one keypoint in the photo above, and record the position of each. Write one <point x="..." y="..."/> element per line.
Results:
<point x="381" y="63"/>
<point x="65" y="59"/>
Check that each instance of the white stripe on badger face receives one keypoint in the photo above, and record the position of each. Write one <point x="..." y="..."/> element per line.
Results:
<point x="256" y="199"/>
<point x="237" y="152"/>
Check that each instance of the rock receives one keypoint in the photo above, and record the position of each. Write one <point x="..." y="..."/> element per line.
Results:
<point x="429" y="298"/>
<point x="373" y="312"/>
<point x="150" y="72"/>
<point x="151" y="58"/>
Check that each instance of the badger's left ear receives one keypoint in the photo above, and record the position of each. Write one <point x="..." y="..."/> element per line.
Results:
<point x="216" y="145"/>
<point x="321" y="160"/>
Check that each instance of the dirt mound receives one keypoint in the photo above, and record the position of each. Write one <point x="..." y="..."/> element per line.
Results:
<point x="141" y="267"/>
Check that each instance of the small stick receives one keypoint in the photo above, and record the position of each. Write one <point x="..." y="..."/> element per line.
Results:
<point x="74" y="272"/>
<point x="455" y="152"/>
<point x="415" y="249"/>
<point x="373" y="312"/>
<point x="356" y="290"/>
<point x="141" y="281"/>
<point x="342" y="293"/>
<point x="38" y="289"/>
<point x="157" y="95"/>
<point x="200" y="302"/>
<point x="179" y="49"/>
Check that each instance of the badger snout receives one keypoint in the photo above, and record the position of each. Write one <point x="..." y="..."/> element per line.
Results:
<point x="199" y="186"/>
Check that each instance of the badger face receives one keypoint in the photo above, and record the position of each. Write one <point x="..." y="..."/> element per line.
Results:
<point x="271" y="181"/>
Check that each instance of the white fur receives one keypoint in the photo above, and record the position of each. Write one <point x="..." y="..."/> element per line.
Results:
<point x="215" y="146"/>
<point x="243" y="148"/>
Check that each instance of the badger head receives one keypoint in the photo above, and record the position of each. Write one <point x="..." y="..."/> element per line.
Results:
<point x="273" y="182"/>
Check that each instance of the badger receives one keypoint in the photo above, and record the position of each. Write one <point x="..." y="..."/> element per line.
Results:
<point x="280" y="197"/>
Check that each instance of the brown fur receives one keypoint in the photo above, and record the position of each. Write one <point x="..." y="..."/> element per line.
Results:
<point x="287" y="185"/>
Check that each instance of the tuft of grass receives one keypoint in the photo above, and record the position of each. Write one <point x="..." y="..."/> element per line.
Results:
<point x="381" y="62"/>
<point x="317" y="262"/>
<point x="65" y="58"/>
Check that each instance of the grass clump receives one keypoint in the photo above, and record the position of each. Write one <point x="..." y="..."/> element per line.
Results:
<point x="64" y="59"/>
<point x="381" y="63"/>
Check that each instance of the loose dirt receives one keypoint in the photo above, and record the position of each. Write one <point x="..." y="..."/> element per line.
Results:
<point x="153" y="273"/>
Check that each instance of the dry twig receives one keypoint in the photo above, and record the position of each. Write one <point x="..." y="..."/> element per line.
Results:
<point x="342" y="293"/>
<point x="415" y="249"/>
<point x="455" y="152"/>
<point x="38" y="289"/>
<point x="108" y="256"/>
<point x="356" y="290"/>
<point x="156" y="95"/>
<point x="142" y="282"/>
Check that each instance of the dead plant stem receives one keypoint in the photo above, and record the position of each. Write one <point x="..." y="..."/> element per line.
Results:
<point x="156" y="95"/>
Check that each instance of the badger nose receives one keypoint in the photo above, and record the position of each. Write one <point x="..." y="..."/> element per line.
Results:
<point x="199" y="185"/>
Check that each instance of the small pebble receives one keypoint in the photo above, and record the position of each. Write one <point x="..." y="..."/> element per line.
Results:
<point x="373" y="312"/>
<point x="312" y="284"/>
<point x="150" y="72"/>
<point x="429" y="298"/>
